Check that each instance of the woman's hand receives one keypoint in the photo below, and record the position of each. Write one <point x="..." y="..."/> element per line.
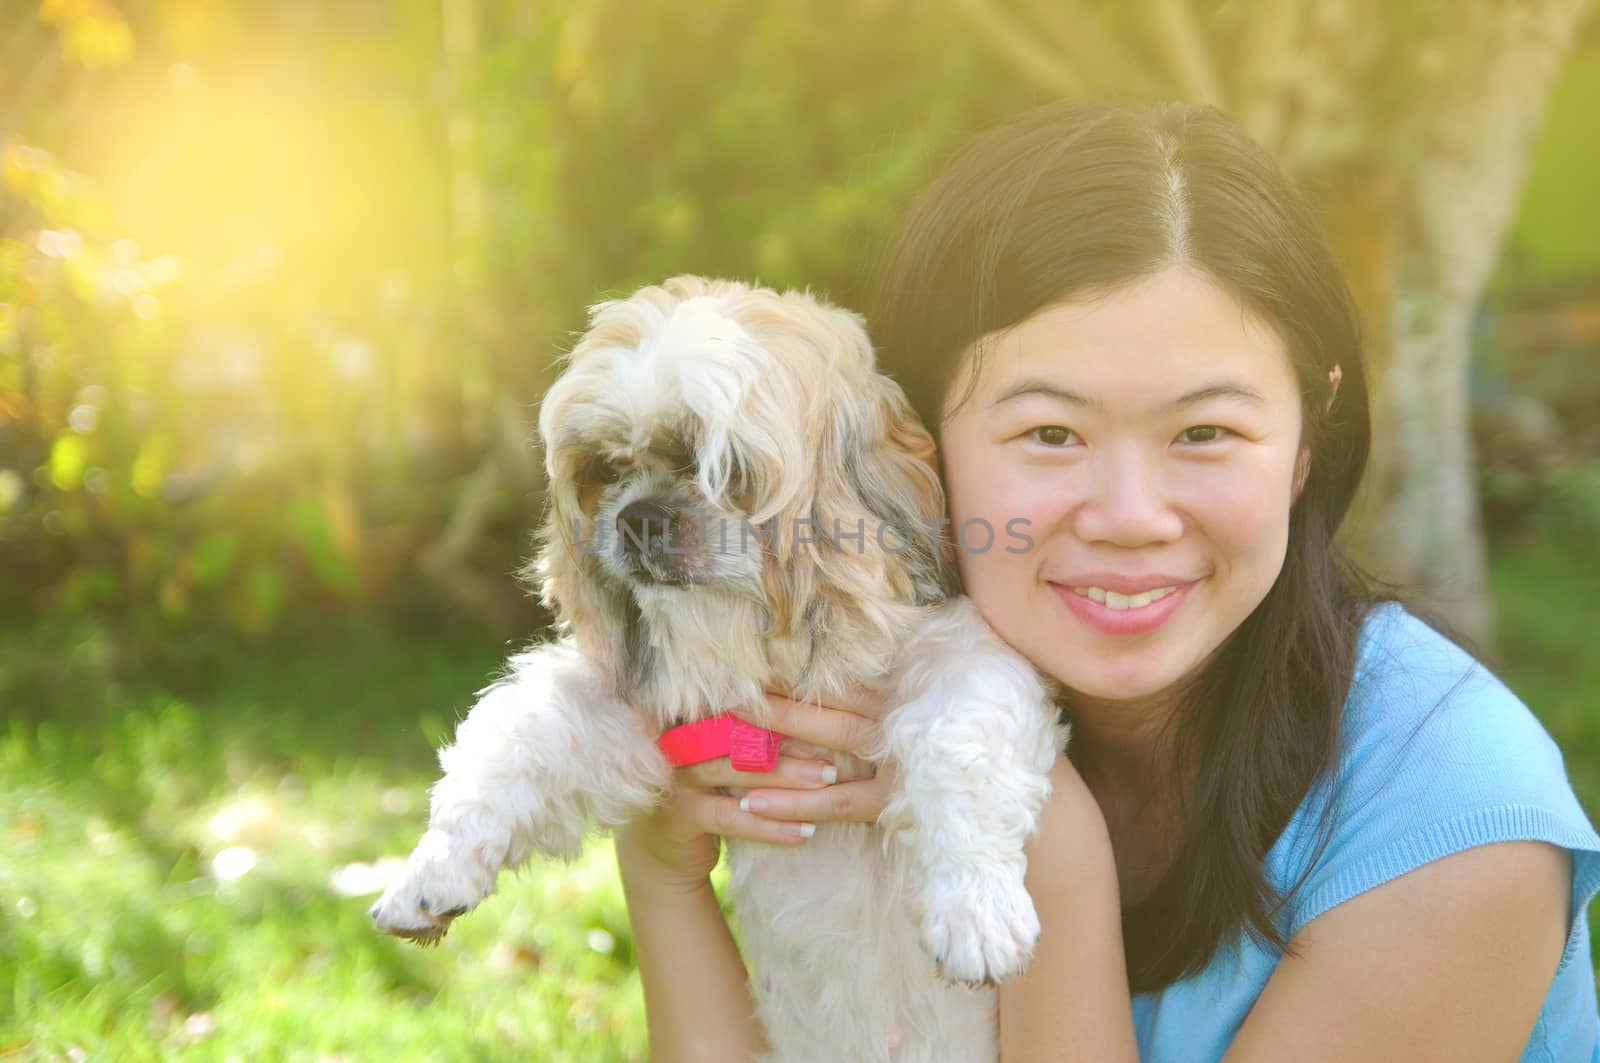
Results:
<point x="821" y="776"/>
<point x="833" y="738"/>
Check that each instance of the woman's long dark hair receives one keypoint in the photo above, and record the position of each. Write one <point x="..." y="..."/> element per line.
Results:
<point x="1077" y="198"/>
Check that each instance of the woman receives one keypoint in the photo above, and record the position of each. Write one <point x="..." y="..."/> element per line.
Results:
<point x="1294" y="821"/>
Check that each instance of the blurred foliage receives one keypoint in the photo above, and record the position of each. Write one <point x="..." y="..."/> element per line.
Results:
<point x="267" y="268"/>
<point x="1556" y="237"/>
<point x="272" y="274"/>
<point x="1537" y="422"/>
<point x="1537" y="416"/>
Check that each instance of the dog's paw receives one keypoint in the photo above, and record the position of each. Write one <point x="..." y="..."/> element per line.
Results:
<point x="414" y="918"/>
<point x="430" y="893"/>
<point x="979" y="926"/>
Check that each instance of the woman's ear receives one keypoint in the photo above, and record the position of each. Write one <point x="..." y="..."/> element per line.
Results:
<point x="1302" y="469"/>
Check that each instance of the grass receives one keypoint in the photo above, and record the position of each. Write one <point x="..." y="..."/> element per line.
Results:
<point x="181" y="874"/>
<point x="187" y="834"/>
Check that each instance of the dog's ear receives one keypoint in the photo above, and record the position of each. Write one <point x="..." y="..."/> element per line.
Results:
<point x="894" y="474"/>
<point x="878" y="548"/>
<point x="878" y="481"/>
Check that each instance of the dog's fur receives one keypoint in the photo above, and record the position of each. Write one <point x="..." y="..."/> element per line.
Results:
<point x="742" y="405"/>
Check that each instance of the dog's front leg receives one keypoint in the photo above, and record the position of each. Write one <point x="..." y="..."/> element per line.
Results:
<point x="973" y="736"/>
<point x="544" y="754"/>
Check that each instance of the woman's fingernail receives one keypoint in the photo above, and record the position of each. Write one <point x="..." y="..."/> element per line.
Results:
<point x="753" y="804"/>
<point x="807" y="829"/>
<point x="830" y="775"/>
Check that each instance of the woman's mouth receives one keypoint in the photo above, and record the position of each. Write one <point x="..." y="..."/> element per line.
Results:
<point x="1113" y="613"/>
<point x="1119" y="602"/>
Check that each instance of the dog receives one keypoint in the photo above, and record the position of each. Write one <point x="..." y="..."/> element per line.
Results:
<point x="739" y="501"/>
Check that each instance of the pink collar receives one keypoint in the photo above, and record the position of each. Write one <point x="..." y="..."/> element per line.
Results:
<point x="751" y="748"/>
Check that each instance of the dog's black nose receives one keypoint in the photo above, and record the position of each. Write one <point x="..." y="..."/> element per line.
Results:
<point x="638" y="521"/>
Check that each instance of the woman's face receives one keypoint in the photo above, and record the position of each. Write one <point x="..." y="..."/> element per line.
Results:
<point x="1135" y="455"/>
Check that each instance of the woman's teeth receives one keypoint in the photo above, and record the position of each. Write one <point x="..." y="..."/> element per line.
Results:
<point x="1113" y="600"/>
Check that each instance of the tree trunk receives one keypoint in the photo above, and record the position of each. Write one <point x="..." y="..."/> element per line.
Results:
<point x="1469" y="147"/>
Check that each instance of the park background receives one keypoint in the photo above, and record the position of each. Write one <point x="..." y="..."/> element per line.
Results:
<point x="280" y="285"/>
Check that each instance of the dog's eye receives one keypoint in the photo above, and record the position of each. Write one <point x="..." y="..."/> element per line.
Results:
<point x="600" y="471"/>
<point x="738" y="477"/>
<point x="677" y="455"/>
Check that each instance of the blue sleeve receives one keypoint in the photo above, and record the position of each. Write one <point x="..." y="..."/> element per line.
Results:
<point x="1437" y="756"/>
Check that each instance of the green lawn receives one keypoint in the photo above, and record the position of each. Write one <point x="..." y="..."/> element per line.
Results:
<point x="180" y="875"/>
<point x="1549" y="635"/>
<point x="184" y="834"/>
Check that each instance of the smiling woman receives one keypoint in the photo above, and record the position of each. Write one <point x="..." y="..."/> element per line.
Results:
<point x="1161" y="419"/>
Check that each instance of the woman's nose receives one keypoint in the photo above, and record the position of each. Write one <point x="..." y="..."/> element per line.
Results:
<point x="1128" y="503"/>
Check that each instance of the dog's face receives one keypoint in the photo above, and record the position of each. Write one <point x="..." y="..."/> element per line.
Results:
<point x="734" y="490"/>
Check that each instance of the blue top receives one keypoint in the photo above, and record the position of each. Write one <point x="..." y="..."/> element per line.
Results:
<point x="1437" y="756"/>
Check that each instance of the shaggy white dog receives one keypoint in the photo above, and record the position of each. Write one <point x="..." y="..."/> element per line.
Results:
<point x="739" y="502"/>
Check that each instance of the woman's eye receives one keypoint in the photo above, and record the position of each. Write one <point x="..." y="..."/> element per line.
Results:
<point x="1053" y="435"/>
<point x="1203" y="433"/>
